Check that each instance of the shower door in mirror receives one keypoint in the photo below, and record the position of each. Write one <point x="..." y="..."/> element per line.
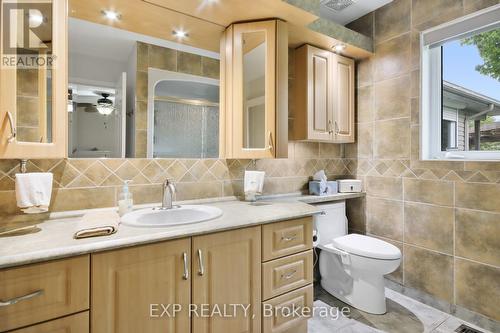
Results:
<point x="33" y="79"/>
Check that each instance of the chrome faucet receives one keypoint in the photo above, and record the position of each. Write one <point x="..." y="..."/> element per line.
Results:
<point x="168" y="194"/>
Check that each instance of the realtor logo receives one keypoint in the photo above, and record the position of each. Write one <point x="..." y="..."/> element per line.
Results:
<point x="26" y="33"/>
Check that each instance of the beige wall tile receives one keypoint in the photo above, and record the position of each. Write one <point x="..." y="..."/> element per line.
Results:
<point x="142" y="56"/>
<point x="27" y="82"/>
<point x="392" y="20"/>
<point x="435" y="11"/>
<point x="198" y="190"/>
<point x="415" y="49"/>
<point x="385" y="218"/>
<point x="478" y="287"/>
<point x="8" y="204"/>
<point x="162" y="58"/>
<point x="478" y="196"/>
<point x="365" y="104"/>
<point x="415" y="111"/>
<point x="392" y="139"/>
<point x="210" y="67"/>
<point x="189" y="63"/>
<point x="356" y="214"/>
<point x="429" y="191"/>
<point x="392" y="58"/>
<point x="471" y="6"/>
<point x="363" y="25"/>
<point x="385" y="187"/>
<point x="429" y="226"/>
<point x="141" y="86"/>
<point x="79" y="198"/>
<point x="329" y="150"/>
<point x="392" y="98"/>
<point x="478" y="236"/>
<point x="364" y="140"/>
<point x="364" y="71"/>
<point x="429" y="271"/>
<point x="306" y="149"/>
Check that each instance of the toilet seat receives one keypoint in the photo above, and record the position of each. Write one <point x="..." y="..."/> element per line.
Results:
<point x="366" y="246"/>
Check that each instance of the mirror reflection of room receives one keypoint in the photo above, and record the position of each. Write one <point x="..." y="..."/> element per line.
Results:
<point x="134" y="95"/>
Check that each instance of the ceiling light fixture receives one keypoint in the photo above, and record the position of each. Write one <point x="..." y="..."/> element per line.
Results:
<point x="105" y="105"/>
<point x="35" y="18"/>
<point x="180" y="34"/>
<point x="339" y="47"/>
<point x="111" y="15"/>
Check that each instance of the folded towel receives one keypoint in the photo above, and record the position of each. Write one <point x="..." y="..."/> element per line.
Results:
<point x="254" y="182"/>
<point x="97" y="224"/>
<point x="33" y="191"/>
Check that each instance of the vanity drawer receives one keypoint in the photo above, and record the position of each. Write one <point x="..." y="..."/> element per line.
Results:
<point x="285" y="274"/>
<point x="285" y="238"/>
<point x="77" y="323"/>
<point x="39" y="292"/>
<point x="282" y="320"/>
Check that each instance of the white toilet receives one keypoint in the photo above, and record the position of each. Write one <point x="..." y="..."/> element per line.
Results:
<point x="353" y="266"/>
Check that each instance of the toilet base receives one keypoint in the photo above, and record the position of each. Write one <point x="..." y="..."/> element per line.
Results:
<point x="369" y="299"/>
<point x="360" y="288"/>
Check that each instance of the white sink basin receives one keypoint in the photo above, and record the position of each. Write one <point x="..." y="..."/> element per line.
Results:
<point x="178" y="215"/>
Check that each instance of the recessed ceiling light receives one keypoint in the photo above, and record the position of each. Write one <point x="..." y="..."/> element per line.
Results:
<point x="35" y="18"/>
<point x="180" y="34"/>
<point x="111" y="15"/>
<point x="339" y="47"/>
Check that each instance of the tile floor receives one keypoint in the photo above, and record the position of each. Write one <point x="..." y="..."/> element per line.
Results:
<point x="404" y="315"/>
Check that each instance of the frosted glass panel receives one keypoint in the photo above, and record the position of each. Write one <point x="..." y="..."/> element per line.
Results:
<point x="185" y="131"/>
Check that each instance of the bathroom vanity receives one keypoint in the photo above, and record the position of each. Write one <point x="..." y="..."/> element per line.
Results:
<point x="122" y="283"/>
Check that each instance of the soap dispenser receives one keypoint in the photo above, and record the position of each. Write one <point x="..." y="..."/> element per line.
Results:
<point x="125" y="201"/>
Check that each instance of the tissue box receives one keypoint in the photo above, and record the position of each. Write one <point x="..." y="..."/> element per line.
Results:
<point x="349" y="185"/>
<point x="315" y="188"/>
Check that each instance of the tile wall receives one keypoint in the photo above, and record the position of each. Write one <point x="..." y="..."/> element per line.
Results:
<point x="444" y="216"/>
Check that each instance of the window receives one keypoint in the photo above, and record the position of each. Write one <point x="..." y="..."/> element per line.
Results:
<point x="460" y="116"/>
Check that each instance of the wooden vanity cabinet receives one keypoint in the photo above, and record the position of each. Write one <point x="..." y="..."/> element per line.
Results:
<point x="254" y="90"/>
<point x="77" y="323"/>
<point x="33" y="83"/>
<point x="129" y="287"/>
<point x="323" y="96"/>
<point x="226" y="270"/>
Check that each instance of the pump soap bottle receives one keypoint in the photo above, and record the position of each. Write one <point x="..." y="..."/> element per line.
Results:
<point x="125" y="201"/>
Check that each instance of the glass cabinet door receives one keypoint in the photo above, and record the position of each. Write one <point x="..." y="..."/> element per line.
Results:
<point x="254" y="89"/>
<point x="33" y="79"/>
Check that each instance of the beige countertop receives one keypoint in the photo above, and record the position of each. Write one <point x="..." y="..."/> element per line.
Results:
<point x="55" y="239"/>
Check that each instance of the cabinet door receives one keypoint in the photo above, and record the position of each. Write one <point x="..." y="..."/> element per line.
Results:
<point x="254" y="89"/>
<point x="131" y="286"/>
<point x="227" y="270"/>
<point x="320" y="102"/>
<point x="33" y="79"/>
<point x="343" y="92"/>
<point x="78" y="323"/>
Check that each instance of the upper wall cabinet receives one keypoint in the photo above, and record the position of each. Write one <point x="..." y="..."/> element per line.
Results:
<point x="254" y="90"/>
<point x="323" y="96"/>
<point x="33" y="91"/>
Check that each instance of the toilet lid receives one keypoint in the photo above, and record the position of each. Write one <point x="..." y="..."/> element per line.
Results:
<point x="367" y="247"/>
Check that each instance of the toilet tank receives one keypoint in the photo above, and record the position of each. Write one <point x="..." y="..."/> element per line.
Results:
<point x="332" y="223"/>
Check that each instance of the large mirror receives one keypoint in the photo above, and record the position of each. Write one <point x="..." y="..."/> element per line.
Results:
<point x="133" y="93"/>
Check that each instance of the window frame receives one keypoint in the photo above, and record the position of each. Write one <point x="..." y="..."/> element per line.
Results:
<point x="431" y="84"/>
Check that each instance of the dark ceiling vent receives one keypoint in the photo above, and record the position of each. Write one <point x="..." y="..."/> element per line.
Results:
<point x="337" y="5"/>
<point x="466" y="329"/>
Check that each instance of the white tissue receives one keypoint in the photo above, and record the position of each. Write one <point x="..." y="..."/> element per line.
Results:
<point x="254" y="182"/>
<point x="320" y="175"/>
<point x="33" y="191"/>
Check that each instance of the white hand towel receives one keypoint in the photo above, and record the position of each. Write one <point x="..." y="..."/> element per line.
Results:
<point x="254" y="182"/>
<point x="33" y="191"/>
<point x="97" y="224"/>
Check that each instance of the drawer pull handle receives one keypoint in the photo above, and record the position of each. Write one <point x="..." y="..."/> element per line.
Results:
<point x="201" y="270"/>
<point x="288" y="276"/>
<point x="289" y="238"/>
<point x="185" y="276"/>
<point x="21" y="298"/>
